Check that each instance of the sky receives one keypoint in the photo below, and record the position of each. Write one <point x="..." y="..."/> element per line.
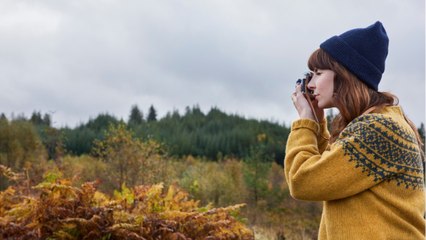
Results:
<point x="77" y="59"/>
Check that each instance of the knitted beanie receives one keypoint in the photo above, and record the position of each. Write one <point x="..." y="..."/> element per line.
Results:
<point x="362" y="51"/>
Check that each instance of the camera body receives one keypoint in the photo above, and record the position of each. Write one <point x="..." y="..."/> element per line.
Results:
<point x="307" y="93"/>
<point x="304" y="84"/>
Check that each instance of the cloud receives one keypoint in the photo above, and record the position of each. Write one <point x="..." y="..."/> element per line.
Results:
<point x="80" y="58"/>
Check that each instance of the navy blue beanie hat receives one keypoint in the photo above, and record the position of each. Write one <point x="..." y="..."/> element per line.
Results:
<point x="362" y="51"/>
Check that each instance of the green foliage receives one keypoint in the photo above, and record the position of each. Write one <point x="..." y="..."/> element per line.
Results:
<point x="52" y="176"/>
<point x="212" y="135"/>
<point x="20" y="148"/>
<point x="57" y="210"/>
<point x="37" y="119"/>
<point x="84" y="169"/>
<point x="125" y="196"/>
<point x="51" y="137"/>
<point x="218" y="183"/>
<point x="79" y="140"/>
<point x="256" y="171"/>
<point x="52" y="140"/>
<point x="136" y="116"/>
<point x="130" y="160"/>
<point x="19" y="143"/>
<point x="152" y="114"/>
<point x="231" y="181"/>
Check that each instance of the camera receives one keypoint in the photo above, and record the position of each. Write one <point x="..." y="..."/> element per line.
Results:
<point x="304" y="84"/>
<point x="307" y="93"/>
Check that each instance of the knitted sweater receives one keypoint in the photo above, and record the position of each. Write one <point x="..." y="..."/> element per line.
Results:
<point x="370" y="179"/>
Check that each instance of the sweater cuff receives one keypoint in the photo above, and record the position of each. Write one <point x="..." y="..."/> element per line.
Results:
<point x="306" y="123"/>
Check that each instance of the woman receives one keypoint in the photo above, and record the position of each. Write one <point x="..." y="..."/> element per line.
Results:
<point x="368" y="172"/>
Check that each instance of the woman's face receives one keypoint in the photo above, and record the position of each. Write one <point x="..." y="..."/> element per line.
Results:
<point x="322" y="85"/>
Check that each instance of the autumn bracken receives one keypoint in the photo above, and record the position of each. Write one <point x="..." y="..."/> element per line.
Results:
<point x="54" y="209"/>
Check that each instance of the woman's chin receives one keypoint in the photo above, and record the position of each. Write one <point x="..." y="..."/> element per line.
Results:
<point x="324" y="105"/>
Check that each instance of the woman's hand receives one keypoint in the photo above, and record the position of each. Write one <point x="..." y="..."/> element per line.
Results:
<point x="302" y="106"/>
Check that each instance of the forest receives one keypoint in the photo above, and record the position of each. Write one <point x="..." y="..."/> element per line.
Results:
<point x="212" y="174"/>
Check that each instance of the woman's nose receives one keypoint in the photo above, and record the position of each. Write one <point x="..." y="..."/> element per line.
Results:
<point x="311" y="85"/>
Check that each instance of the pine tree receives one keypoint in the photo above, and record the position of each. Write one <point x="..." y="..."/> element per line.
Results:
<point x="152" y="114"/>
<point x="36" y="118"/>
<point x="136" y="116"/>
<point x="47" y="120"/>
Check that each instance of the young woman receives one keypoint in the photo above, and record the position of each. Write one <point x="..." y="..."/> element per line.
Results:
<point x="369" y="171"/>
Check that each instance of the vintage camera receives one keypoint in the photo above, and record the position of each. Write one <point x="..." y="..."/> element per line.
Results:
<point x="309" y="94"/>
<point x="304" y="84"/>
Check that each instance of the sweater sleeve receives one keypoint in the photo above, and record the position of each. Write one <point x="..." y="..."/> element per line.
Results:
<point x="358" y="160"/>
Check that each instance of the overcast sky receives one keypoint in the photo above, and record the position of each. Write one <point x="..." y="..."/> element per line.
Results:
<point x="76" y="59"/>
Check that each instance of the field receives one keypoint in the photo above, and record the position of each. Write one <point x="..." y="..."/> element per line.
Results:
<point x="134" y="187"/>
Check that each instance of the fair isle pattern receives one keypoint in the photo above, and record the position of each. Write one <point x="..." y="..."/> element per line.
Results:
<point x="383" y="150"/>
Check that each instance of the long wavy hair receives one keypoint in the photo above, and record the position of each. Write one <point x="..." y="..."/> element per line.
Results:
<point x="351" y="96"/>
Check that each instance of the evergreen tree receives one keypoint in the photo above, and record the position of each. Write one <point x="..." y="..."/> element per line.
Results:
<point x="152" y="114"/>
<point x="51" y="137"/>
<point x="47" y="120"/>
<point x="80" y="139"/>
<point x="36" y="118"/>
<point x="101" y="122"/>
<point x="136" y="116"/>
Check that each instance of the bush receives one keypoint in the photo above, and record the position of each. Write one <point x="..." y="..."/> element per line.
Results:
<point x="57" y="210"/>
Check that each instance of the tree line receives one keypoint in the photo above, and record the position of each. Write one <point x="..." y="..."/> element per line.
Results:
<point x="212" y="135"/>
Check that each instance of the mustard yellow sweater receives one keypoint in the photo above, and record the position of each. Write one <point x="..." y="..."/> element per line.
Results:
<point x="370" y="179"/>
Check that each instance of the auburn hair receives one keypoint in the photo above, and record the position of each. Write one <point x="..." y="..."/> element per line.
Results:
<point x="351" y="96"/>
